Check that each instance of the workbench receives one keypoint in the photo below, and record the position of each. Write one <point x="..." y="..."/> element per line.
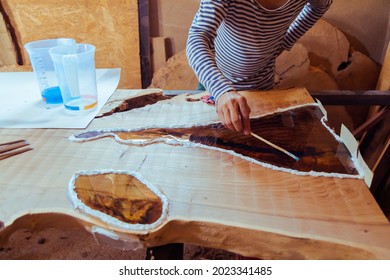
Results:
<point x="214" y="199"/>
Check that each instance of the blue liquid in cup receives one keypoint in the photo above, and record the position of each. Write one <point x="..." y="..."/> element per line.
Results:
<point x="52" y="95"/>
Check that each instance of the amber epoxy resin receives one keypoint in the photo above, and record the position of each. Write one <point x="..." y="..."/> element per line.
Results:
<point x="120" y="198"/>
<point x="301" y="131"/>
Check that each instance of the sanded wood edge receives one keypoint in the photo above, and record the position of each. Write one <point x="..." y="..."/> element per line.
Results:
<point x="259" y="244"/>
<point x="243" y="241"/>
<point x="39" y="222"/>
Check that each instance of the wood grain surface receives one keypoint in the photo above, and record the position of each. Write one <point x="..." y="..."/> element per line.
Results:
<point x="215" y="199"/>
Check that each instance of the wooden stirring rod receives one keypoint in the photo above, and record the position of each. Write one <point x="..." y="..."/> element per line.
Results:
<point x="10" y="149"/>
<point x="275" y="146"/>
<point x="14" y="153"/>
<point x="6" y="147"/>
<point x="12" y="142"/>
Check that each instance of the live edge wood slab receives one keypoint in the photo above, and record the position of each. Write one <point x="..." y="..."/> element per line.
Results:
<point x="141" y="193"/>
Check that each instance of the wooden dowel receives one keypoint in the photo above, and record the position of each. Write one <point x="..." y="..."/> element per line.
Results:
<point x="371" y="122"/>
<point x="275" y="146"/>
<point x="14" y="153"/>
<point x="16" y="145"/>
<point x="381" y="156"/>
<point x="12" y="142"/>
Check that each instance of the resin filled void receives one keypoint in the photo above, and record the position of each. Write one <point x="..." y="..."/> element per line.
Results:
<point x="299" y="131"/>
<point x="121" y="196"/>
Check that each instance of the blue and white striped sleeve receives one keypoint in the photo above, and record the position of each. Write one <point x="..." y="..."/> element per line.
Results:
<point x="310" y="14"/>
<point x="200" y="46"/>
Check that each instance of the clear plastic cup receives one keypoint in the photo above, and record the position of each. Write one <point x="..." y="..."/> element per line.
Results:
<point x="43" y="67"/>
<point x="76" y="73"/>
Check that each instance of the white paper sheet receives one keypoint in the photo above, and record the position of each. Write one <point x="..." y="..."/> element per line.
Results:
<point x="21" y="105"/>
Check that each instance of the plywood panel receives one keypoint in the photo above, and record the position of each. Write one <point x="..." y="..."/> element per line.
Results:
<point x="7" y="54"/>
<point x="110" y="25"/>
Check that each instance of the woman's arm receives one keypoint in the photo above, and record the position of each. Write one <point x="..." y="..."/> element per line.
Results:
<point x="232" y="107"/>
<point x="311" y="13"/>
<point x="200" y="46"/>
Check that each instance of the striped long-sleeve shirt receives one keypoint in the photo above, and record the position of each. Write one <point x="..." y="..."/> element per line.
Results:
<point x="233" y="44"/>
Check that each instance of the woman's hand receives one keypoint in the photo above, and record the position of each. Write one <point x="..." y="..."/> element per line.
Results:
<point x="233" y="110"/>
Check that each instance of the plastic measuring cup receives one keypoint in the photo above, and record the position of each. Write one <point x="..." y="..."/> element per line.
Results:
<point x="43" y="67"/>
<point x="76" y="73"/>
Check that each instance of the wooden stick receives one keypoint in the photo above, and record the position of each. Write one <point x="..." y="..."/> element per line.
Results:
<point x="12" y="142"/>
<point x="371" y="122"/>
<point x="381" y="156"/>
<point x="275" y="146"/>
<point x="16" y="145"/>
<point x="13" y="153"/>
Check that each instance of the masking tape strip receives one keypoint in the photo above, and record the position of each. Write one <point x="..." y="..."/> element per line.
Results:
<point x="352" y="145"/>
<point x="368" y="174"/>
<point x="349" y="140"/>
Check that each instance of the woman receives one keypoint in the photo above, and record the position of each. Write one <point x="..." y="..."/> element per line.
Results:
<point x="233" y="44"/>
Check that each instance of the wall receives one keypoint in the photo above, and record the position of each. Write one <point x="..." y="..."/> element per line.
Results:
<point x="171" y="19"/>
<point x="365" y="22"/>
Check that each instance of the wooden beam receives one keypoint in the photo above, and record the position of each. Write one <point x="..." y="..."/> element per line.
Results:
<point x="349" y="97"/>
<point x="370" y="123"/>
<point x="331" y="97"/>
<point x="144" y="38"/>
<point x="159" y="52"/>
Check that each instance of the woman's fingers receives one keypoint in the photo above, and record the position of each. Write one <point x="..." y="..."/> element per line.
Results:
<point x="234" y="112"/>
<point x="245" y="114"/>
